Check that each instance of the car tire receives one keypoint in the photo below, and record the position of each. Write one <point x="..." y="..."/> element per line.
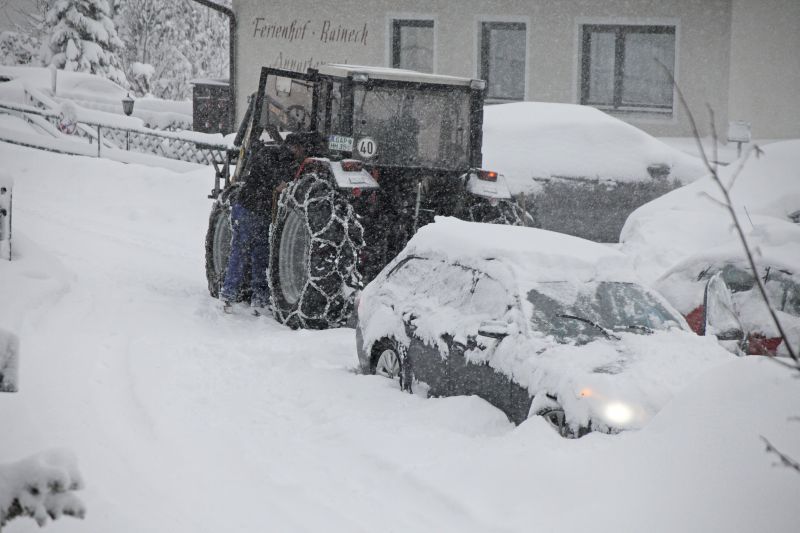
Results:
<point x="388" y="360"/>
<point x="315" y="243"/>
<point x="556" y="418"/>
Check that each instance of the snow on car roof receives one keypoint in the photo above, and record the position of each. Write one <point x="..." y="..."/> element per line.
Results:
<point x="395" y="74"/>
<point x="533" y="141"/>
<point x="688" y="221"/>
<point x="535" y="255"/>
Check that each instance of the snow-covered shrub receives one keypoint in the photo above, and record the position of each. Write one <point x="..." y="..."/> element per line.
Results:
<point x="83" y="38"/>
<point x="140" y="76"/>
<point x="40" y="486"/>
<point x="18" y="48"/>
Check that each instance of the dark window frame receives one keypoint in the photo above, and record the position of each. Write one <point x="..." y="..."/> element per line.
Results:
<point x="399" y="24"/>
<point x="483" y="65"/>
<point x="620" y="31"/>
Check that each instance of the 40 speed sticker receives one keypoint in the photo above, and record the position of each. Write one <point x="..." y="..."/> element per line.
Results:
<point x="366" y="147"/>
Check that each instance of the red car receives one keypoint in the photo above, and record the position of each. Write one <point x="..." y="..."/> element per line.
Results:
<point x="694" y="288"/>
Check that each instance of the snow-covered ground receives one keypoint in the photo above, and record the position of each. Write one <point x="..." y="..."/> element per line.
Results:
<point x="187" y="419"/>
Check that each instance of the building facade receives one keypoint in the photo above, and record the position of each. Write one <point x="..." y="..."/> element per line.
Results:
<point x="738" y="56"/>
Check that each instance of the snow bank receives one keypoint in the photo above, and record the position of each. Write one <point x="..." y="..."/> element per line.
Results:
<point x="689" y="220"/>
<point x="529" y="140"/>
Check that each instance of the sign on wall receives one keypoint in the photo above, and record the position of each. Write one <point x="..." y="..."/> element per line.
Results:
<point x="299" y="44"/>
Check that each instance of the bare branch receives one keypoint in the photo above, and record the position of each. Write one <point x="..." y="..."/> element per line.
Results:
<point x="707" y="196"/>
<point x="784" y="459"/>
<point x="714" y="136"/>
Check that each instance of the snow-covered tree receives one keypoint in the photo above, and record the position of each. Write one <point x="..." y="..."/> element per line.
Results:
<point x="83" y="38"/>
<point x="41" y="486"/>
<point x="18" y="48"/>
<point x="181" y="39"/>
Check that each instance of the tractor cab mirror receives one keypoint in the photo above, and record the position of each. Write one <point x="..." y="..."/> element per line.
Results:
<point x="720" y="316"/>
<point x="494" y="329"/>
<point x="9" y="361"/>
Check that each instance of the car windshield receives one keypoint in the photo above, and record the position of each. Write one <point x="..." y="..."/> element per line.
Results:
<point x="413" y="127"/>
<point x="580" y="313"/>
<point x="783" y="291"/>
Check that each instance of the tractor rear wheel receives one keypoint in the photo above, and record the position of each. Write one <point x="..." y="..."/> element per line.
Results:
<point x="315" y="241"/>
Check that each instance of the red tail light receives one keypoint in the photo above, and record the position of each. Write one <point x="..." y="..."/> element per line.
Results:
<point x="487" y="175"/>
<point x="352" y="166"/>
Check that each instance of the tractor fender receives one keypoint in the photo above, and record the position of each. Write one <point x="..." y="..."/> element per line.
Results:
<point x="487" y="189"/>
<point x="347" y="174"/>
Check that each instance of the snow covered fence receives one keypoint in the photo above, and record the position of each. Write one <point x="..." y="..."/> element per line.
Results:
<point x="6" y="190"/>
<point x="193" y="147"/>
<point x="9" y="361"/>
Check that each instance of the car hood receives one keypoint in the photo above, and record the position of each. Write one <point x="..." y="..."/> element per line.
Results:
<point x="640" y="372"/>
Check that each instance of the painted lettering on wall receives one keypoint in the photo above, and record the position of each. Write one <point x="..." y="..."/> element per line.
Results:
<point x="297" y="30"/>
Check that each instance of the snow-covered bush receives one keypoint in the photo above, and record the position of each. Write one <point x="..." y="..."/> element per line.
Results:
<point x="83" y="38"/>
<point x="18" y="48"/>
<point x="40" y="486"/>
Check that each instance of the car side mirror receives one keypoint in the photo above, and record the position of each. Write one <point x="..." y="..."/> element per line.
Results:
<point x="9" y="361"/>
<point x="719" y="315"/>
<point x="494" y="329"/>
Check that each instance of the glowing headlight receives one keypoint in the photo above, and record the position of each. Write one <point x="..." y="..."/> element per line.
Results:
<point x="618" y="414"/>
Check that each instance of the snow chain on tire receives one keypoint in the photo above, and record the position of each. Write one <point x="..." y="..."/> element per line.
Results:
<point x="315" y="229"/>
<point x="219" y="229"/>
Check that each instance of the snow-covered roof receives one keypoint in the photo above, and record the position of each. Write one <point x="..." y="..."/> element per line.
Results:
<point x="393" y="74"/>
<point x="535" y="255"/>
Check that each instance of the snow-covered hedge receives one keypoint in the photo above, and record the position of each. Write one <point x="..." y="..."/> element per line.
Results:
<point x="41" y="486"/>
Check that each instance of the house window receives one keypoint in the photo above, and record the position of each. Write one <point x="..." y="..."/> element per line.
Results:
<point x="412" y="45"/>
<point x="620" y="67"/>
<point x="502" y="62"/>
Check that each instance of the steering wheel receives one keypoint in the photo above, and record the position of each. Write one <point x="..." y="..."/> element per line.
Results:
<point x="299" y="118"/>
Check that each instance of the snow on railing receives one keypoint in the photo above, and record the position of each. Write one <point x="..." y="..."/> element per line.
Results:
<point x="122" y="133"/>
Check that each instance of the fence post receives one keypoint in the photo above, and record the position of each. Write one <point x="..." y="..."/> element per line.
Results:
<point x="6" y="192"/>
<point x="98" y="140"/>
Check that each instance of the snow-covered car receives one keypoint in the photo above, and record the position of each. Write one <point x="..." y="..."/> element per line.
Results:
<point x="686" y="286"/>
<point x="534" y="322"/>
<point x="680" y="241"/>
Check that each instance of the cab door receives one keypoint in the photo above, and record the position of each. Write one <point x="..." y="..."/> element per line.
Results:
<point x="286" y="102"/>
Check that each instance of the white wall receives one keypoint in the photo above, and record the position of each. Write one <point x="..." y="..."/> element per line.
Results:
<point x="703" y="41"/>
<point x="765" y="67"/>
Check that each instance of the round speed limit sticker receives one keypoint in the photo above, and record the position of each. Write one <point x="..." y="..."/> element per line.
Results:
<point x="366" y="147"/>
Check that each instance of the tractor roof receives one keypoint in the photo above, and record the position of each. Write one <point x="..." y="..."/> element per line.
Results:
<point x="392" y="74"/>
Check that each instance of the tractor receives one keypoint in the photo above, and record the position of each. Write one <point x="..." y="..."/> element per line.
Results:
<point x="399" y="147"/>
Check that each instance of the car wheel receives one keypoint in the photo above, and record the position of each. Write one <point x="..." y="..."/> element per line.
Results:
<point x="556" y="418"/>
<point x="388" y="360"/>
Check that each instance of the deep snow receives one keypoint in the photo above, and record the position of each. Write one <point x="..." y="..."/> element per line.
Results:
<point x="187" y="419"/>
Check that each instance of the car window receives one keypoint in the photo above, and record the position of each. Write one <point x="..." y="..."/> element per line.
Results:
<point x="456" y="286"/>
<point x="578" y="314"/>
